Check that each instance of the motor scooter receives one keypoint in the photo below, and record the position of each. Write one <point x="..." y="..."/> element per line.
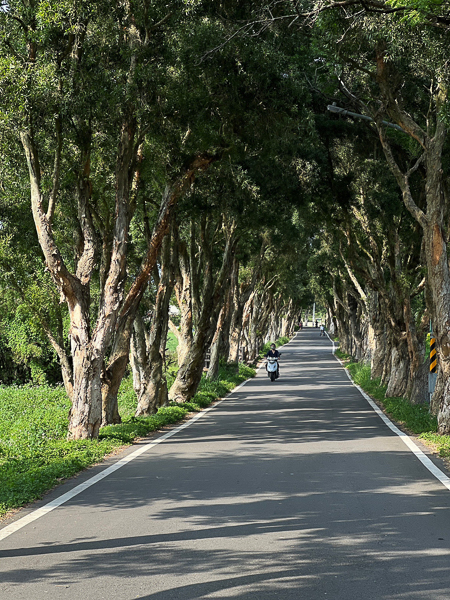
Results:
<point x="272" y="367"/>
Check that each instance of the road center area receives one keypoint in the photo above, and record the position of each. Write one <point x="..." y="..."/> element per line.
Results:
<point x="288" y="489"/>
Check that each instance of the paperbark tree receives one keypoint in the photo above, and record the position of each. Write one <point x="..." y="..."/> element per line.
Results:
<point x="118" y="360"/>
<point x="433" y="219"/>
<point x="401" y="77"/>
<point x="241" y="294"/>
<point x="88" y="125"/>
<point x="88" y="347"/>
<point x="152" y="392"/>
<point x="209" y="301"/>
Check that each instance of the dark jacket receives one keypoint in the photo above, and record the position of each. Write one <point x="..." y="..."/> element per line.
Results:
<point x="273" y="353"/>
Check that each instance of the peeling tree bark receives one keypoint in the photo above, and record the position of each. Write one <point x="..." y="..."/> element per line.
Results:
<point x="431" y="222"/>
<point x="210" y="304"/>
<point x="113" y="374"/>
<point x="241" y="295"/>
<point x="88" y="346"/>
<point x="213" y="370"/>
<point x="153" y="386"/>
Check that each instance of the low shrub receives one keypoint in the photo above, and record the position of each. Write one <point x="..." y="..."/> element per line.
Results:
<point x="361" y="375"/>
<point x="342" y="356"/>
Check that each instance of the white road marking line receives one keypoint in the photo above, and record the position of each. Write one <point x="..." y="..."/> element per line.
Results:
<point x="332" y="341"/>
<point x="427" y="463"/>
<point x="40" y="512"/>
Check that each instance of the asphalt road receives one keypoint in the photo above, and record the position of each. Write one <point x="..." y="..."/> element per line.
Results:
<point x="291" y="490"/>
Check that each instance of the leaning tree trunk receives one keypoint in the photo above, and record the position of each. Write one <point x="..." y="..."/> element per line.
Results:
<point x="115" y="371"/>
<point x="213" y="370"/>
<point x="153" y="390"/>
<point x="88" y="349"/>
<point x="190" y="372"/>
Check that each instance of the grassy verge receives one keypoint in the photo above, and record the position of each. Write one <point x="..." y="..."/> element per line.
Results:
<point x="34" y="453"/>
<point x="416" y="418"/>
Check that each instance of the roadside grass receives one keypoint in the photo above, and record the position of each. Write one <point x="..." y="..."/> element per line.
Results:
<point x="35" y="454"/>
<point x="414" y="417"/>
<point x="172" y="342"/>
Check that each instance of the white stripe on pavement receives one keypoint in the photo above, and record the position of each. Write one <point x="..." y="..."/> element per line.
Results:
<point x="427" y="463"/>
<point x="40" y="512"/>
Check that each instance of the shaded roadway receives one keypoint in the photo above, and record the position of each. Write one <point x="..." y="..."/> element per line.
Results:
<point x="293" y="490"/>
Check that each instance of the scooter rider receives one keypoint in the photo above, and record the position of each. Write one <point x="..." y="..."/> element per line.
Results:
<point x="273" y="352"/>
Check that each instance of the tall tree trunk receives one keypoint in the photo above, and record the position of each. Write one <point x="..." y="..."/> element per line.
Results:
<point x="153" y="388"/>
<point x="224" y="340"/>
<point x="252" y="340"/>
<point x="246" y="313"/>
<point x="213" y="370"/>
<point x="88" y="350"/>
<point x="432" y="221"/>
<point x="214" y="290"/>
<point x="417" y="390"/>
<point x="118" y="361"/>
<point x="183" y="284"/>
<point x="399" y="369"/>
<point x="138" y="352"/>
<point x="240" y="296"/>
<point x="438" y="274"/>
<point x="380" y="351"/>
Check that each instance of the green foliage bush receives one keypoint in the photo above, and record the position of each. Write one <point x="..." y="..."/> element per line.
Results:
<point x="26" y="354"/>
<point x="34" y="454"/>
<point x="134" y="427"/>
<point x="416" y="417"/>
<point x="361" y="375"/>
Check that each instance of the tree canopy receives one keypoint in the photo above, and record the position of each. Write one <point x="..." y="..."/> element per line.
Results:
<point x="182" y="154"/>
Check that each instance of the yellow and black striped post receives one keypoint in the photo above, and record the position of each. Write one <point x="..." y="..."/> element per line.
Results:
<point x="433" y="355"/>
